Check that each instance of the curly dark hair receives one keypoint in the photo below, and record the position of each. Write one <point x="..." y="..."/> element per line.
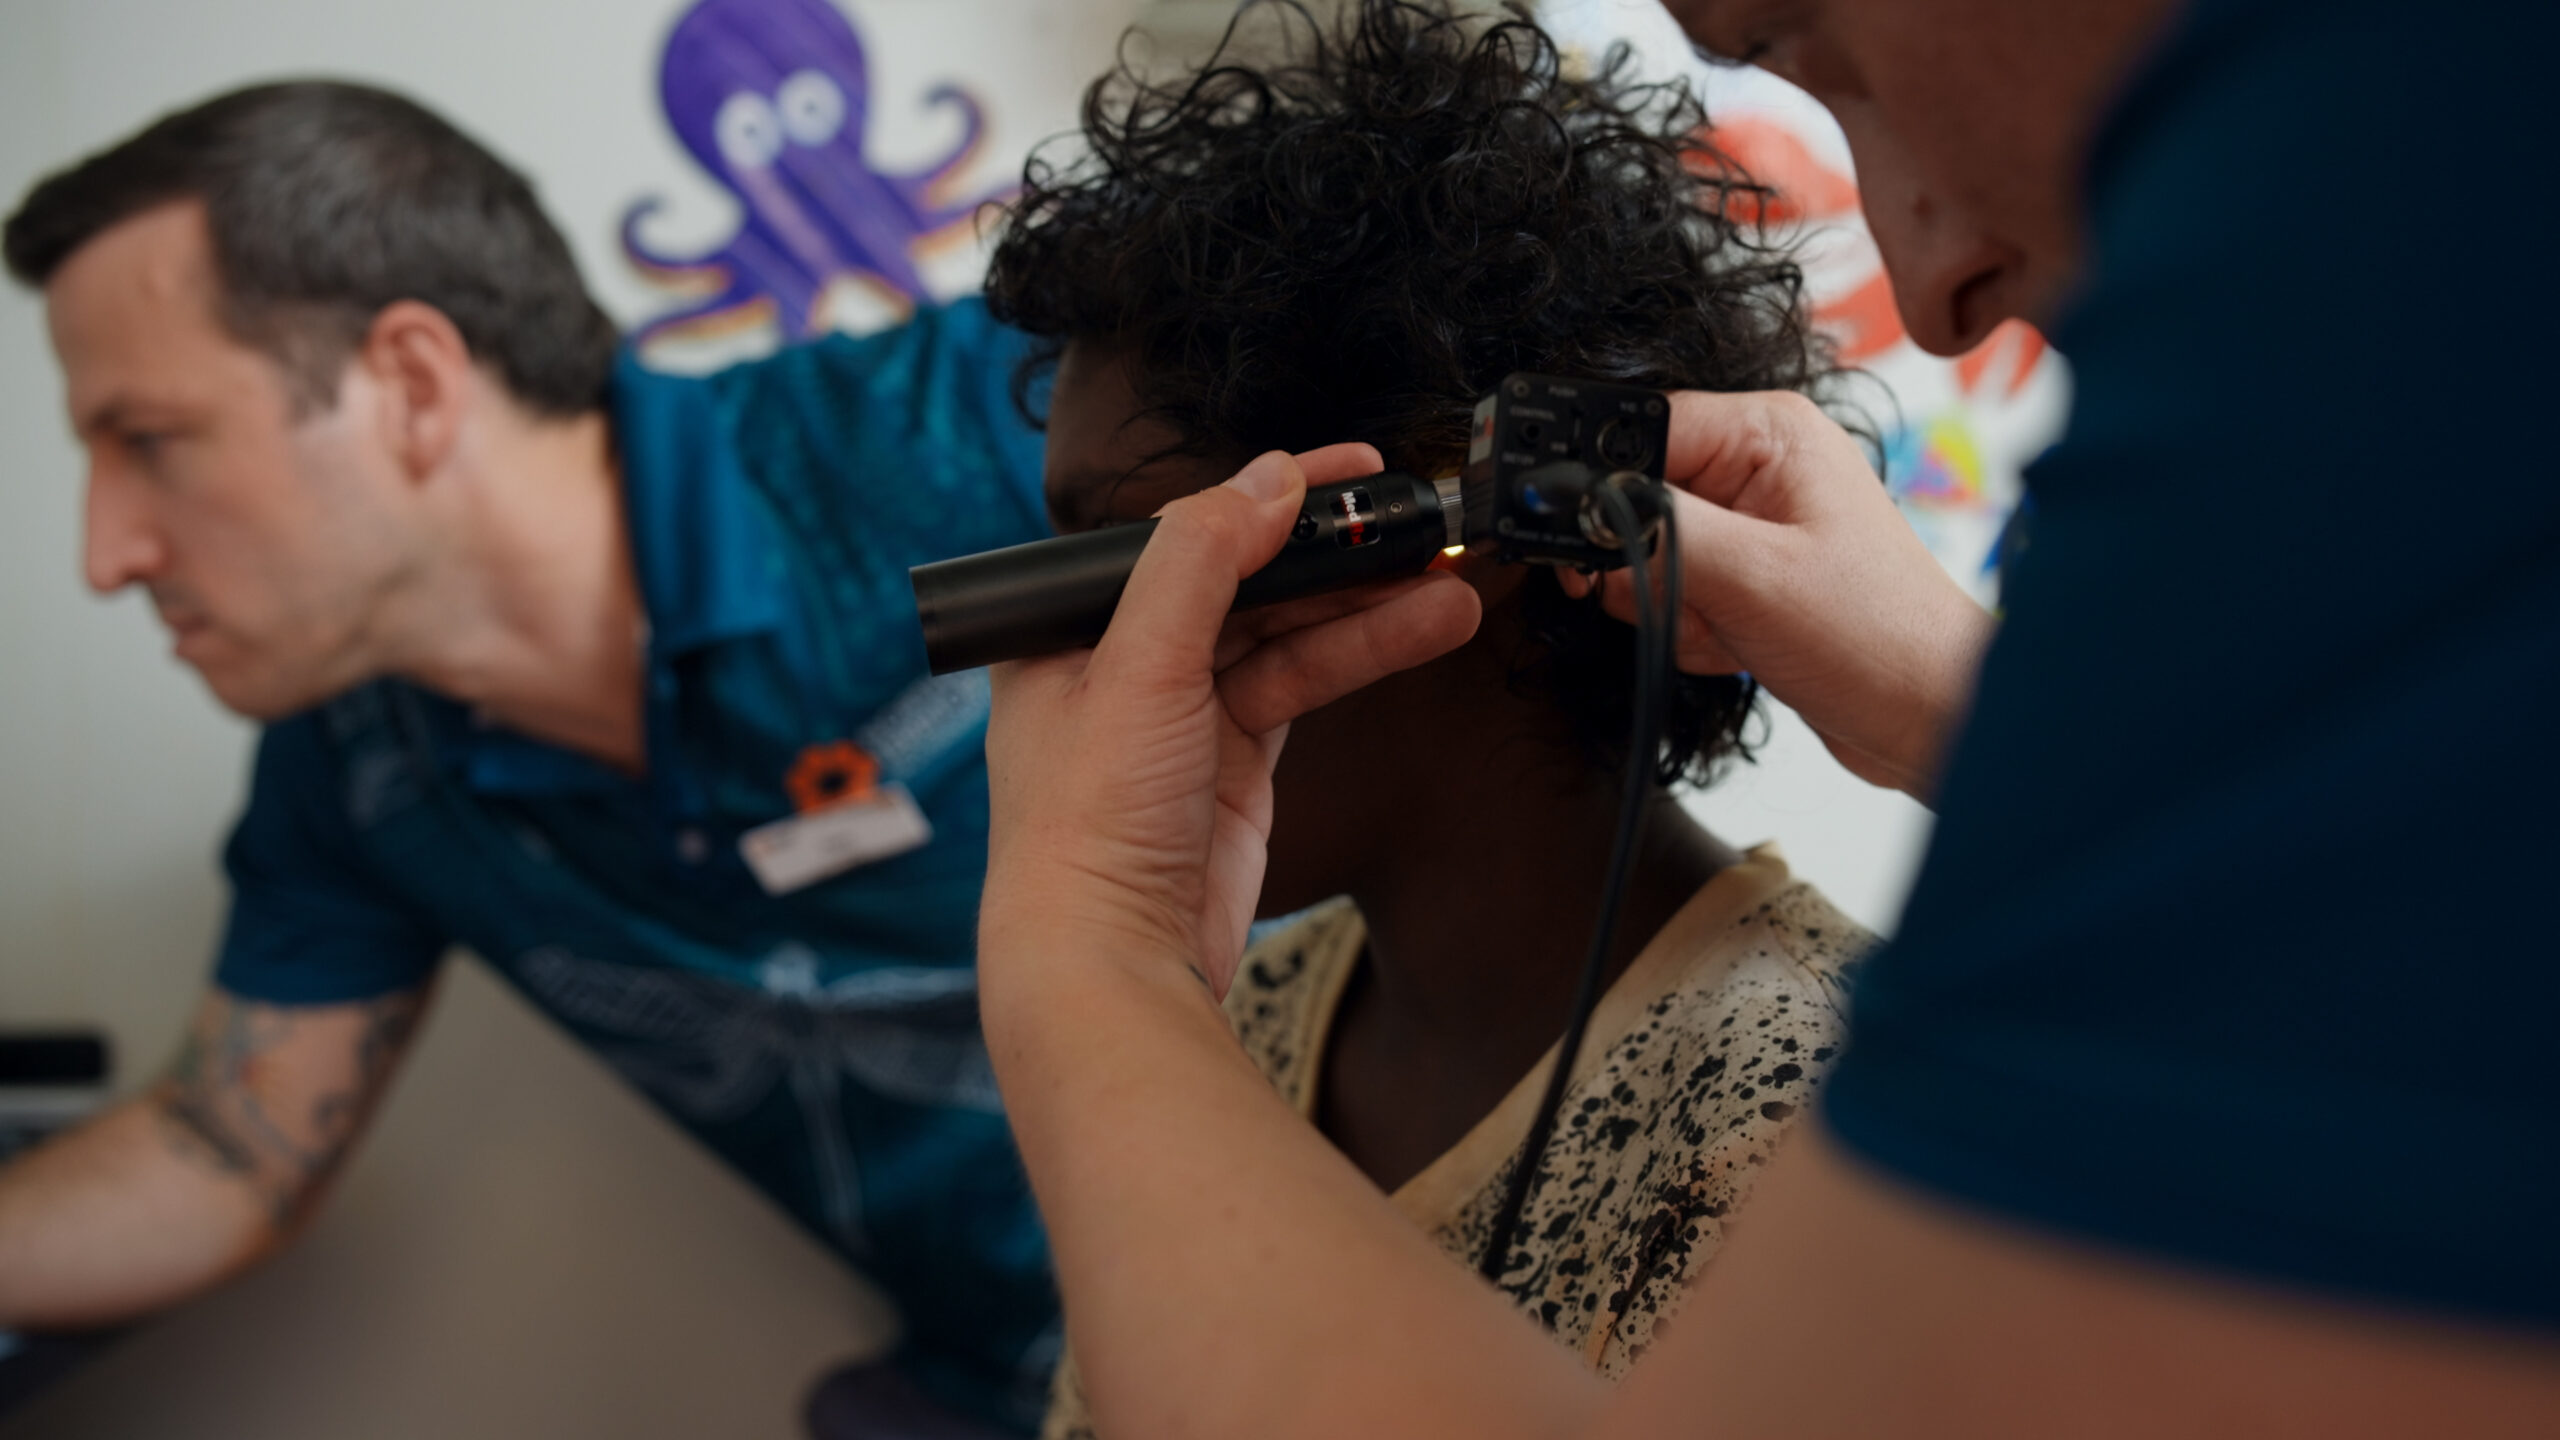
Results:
<point x="1357" y="241"/>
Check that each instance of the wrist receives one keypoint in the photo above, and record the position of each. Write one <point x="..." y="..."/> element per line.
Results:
<point x="1940" y="695"/>
<point x="1045" y="985"/>
<point x="1028" y="934"/>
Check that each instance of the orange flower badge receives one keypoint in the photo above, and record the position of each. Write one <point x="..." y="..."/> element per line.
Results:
<point x="834" y="773"/>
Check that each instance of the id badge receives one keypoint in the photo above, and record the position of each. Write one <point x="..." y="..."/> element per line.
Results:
<point x="800" y="850"/>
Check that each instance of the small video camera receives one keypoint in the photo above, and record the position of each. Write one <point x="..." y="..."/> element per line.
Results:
<point x="1541" y="447"/>
<point x="1542" y="452"/>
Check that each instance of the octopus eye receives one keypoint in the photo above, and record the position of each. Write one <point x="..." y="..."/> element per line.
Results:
<point x="812" y="107"/>
<point x="749" y="133"/>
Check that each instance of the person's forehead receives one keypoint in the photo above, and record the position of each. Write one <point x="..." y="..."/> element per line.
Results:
<point x="156" y="263"/>
<point x="132" y="314"/>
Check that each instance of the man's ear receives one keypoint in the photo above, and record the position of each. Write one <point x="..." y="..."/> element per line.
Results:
<point x="419" y="363"/>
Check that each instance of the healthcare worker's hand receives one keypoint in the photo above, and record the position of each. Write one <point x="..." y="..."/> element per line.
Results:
<point x="1131" y="784"/>
<point x="1796" y="566"/>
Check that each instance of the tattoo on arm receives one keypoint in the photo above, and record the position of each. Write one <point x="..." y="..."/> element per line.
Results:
<point x="232" y="1104"/>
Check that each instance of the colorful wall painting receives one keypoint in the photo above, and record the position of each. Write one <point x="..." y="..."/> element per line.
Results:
<point x="772" y="99"/>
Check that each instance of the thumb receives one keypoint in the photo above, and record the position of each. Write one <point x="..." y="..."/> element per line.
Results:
<point x="1742" y="451"/>
<point x="1185" y="581"/>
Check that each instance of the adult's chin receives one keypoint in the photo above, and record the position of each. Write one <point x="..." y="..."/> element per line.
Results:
<point x="260" y="696"/>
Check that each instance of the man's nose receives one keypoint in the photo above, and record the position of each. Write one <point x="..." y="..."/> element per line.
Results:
<point x="119" y="545"/>
<point x="1952" y="282"/>
<point x="1952" y="290"/>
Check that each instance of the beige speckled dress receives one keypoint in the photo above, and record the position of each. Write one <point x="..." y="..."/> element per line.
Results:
<point x="1701" y="1055"/>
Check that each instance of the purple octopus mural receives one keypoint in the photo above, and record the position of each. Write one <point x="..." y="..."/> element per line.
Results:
<point x="771" y="98"/>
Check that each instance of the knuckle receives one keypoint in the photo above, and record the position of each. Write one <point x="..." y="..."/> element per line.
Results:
<point x="1794" y="409"/>
<point x="1216" y="516"/>
<point x="1789" y="423"/>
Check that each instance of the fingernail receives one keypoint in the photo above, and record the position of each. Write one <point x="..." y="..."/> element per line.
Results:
<point x="1266" y="479"/>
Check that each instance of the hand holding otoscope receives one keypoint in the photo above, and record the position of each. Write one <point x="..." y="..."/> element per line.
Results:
<point x="1542" y="453"/>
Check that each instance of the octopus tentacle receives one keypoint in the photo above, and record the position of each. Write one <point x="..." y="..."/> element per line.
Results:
<point x="660" y="265"/>
<point x="744" y="273"/>
<point x="928" y="189"/>
<point x="729" y="298"/>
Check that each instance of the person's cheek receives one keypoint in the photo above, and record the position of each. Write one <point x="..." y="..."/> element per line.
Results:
<point x="1813" y="62"/>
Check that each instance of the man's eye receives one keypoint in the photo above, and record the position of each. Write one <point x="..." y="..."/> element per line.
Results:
<point x="1759" y="34"/>
<point x="1735" y="57"/>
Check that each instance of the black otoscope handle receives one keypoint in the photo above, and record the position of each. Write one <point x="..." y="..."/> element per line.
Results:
<point x="1052" y="595"/>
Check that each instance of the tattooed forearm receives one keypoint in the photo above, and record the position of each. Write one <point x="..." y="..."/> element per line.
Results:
<point x="273" y="1095"/>
<point x="195" y="1120"/>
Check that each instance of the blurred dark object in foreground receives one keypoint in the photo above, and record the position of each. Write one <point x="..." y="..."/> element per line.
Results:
<point x="29" y="1364"/>
<point x="49" y="1081"/>
<point x="53" y="1057"/>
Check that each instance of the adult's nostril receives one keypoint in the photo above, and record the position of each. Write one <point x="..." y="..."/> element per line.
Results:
<point x="1977" y="307"/>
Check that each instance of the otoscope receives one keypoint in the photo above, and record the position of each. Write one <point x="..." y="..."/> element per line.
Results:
<point x="1540" y="452"/>
<point x="1052" y="595"/>
<point x="1559" y="472"/>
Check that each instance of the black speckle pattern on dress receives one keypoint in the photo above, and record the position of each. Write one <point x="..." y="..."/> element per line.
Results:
<point x="1701" y="1056"/>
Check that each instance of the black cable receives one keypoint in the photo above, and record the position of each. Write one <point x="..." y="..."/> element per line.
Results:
<point x="1653" y="662"/>
<point x="1667" y="643"/>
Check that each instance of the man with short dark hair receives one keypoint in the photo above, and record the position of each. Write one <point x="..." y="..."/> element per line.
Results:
<point x="610" y="676"/>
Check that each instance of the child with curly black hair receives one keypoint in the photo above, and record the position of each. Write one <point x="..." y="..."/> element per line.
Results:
<point x="1354" y="242"/>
